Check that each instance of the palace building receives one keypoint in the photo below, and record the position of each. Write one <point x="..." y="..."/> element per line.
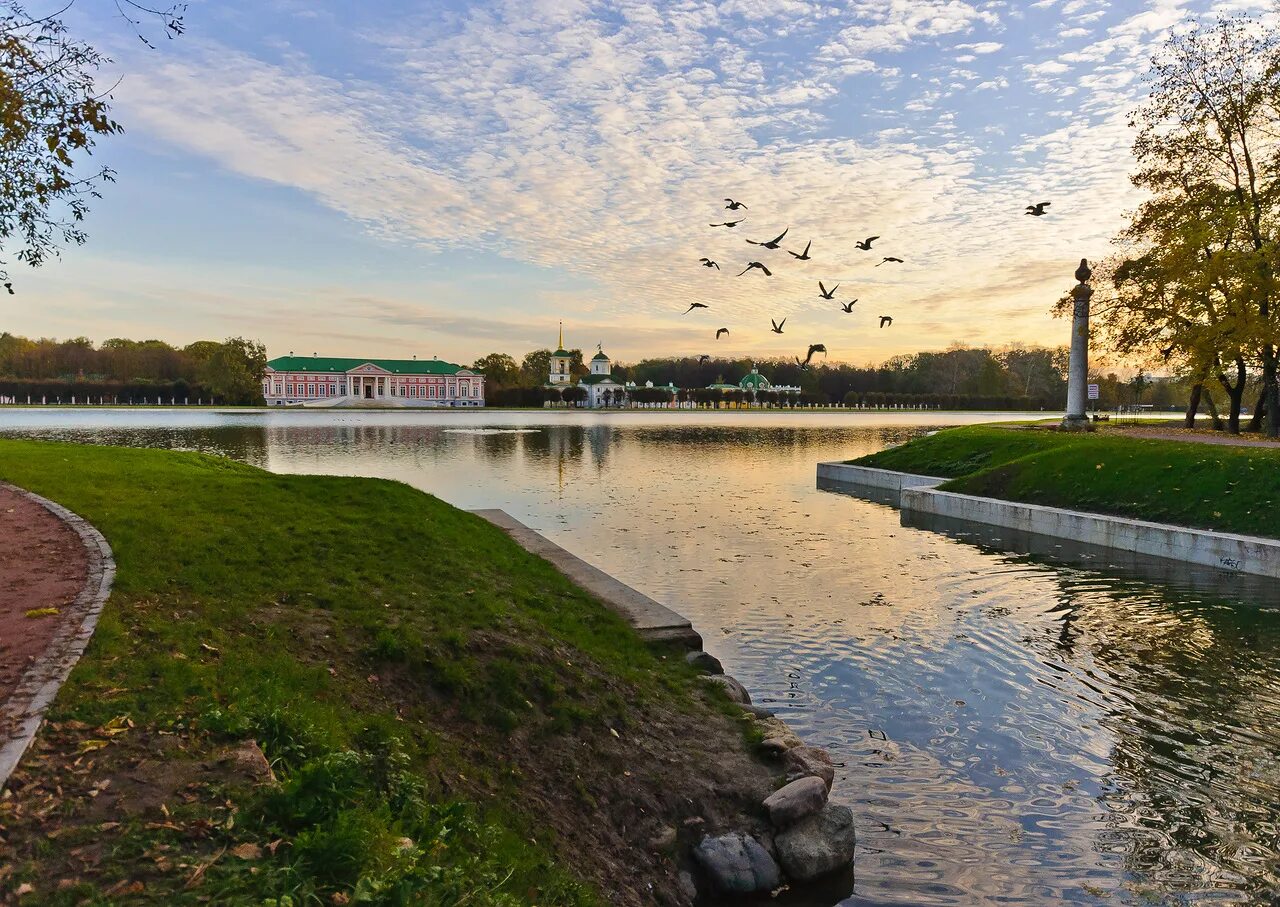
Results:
<point x="323" y="381"/>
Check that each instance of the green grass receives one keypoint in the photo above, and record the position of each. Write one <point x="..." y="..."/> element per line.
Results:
<point x="372" y="639"/>
<point x="1230" y="489"/>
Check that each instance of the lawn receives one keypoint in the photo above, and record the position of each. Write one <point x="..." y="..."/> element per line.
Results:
<point x="1230" y="489"/>
<point x="449" y="719"/>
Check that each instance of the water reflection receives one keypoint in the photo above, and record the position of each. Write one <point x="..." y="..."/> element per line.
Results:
<point x="1015" y="721"/>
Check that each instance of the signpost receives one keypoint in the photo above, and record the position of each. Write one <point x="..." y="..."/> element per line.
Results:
<point x="1093" y="392"/>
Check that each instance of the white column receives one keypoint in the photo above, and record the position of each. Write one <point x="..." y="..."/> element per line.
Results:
<point x="1078" y="366"/>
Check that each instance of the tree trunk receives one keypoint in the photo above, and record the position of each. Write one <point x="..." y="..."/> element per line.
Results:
<point x="1193" y="405"/>
<point x="1271" y="390"/>
<point x="1259" y="410"/>
<point x="1235" y="394"/>
<point x="1213" y="410"/>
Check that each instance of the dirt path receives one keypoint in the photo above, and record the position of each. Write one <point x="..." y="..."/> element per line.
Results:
<point x="43" y="564"/>
<point x="1195" y="436"/>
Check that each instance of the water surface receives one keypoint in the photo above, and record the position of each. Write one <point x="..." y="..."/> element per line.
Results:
<point x="1015" y="722"/>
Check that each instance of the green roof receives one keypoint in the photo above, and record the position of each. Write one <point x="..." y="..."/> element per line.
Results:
<point x="338" y="365"/>
<point x="596" y="379"/>
<point x="562" y="354"/>
<point x="722" y="387"/>
<point x="600" y="357"/>
<point x="754" y="380"/>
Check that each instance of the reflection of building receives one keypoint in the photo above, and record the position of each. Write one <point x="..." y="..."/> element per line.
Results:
<point x="330" y="381"/>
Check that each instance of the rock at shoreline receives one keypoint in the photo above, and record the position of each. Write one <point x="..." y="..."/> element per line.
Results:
<point x="797" y="800"/>
<point x="819" y="845"/>
<point x="737" y="864"/>
<point x="736" y="691"/>
<point x="704" y="662"/>
<point x="758" y="711"/>
<point x="809" y="761"/>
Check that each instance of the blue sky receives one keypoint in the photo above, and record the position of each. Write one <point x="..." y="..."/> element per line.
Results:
<point x="392" y="178"/>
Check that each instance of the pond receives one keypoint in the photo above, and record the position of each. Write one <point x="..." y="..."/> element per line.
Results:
<point x="1019" y="725"/>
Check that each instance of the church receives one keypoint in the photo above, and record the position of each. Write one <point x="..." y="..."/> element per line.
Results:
<point x="601" y="387"/>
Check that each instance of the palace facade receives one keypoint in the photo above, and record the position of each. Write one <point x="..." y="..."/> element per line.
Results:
<point x="321" y="381"/>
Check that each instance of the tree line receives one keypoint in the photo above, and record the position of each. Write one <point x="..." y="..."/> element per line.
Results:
<point x="229" y="371"/>
<point x="1016" y="377"/>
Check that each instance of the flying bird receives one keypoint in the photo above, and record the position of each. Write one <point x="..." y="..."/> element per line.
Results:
<point x="825" y="293"/>
<point x="777" y="326"/>
<point x="865" y="245"/>
<point x="692" y="306"/>
<point x="886" y="320"/>
<point x="703" y="359"/>
<point x="756" y="264"/>
<point x="802" y="256"/>
<point x="729" y="223"/>
<point x="1037" y="210"/>
<point x="708" y="263"/>
<point x="889" y="258"/>
<point x="771" y="244"/>
<point x="734" y="206"/>
<point x="8" y="286"/>
<point x="721" y="331"/>
<point x="847" y="307"/>
<point x="815" y="348"/>
<point x="1166" y="353"/>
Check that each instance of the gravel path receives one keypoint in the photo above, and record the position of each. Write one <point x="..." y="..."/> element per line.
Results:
<point x="43" y="564"/>
<point x="1196" y="437"/>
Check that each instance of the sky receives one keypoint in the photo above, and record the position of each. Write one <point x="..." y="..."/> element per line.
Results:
<point x="443" y="178"/>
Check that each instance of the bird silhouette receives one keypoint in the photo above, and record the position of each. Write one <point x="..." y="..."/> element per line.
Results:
<point x="692" y="306"/>
<point x="847" y="307"/>
<point x="1166" y="353"/>
<point x="865" y="245"/>
<point x="703" y="359"/>
<point x="802" y="256"/>
<point x="777" y="325"/>
<point x="815" y="348"/>
<point x="886" y="320"/>
<point x="729" y="223"/>
<point x="708" y="263"/>
<point x="721" y="331"/>
<point x="804" y="366"/>
<point x="825" y="293"/>
<point x="734" y="206"/>
<point x="8" y="286"/>
<point x="889" y="258"/>
<point x="1037" y="210"/>
<point x="756" y="264"/>
<point x="771" y="244"/>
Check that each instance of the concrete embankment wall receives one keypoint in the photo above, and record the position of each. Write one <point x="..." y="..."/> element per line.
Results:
<point x="874" y="478"/>
<point x="1227" y="551"/>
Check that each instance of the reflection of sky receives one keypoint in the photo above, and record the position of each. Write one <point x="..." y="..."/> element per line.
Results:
<point x="1008" y="727"/>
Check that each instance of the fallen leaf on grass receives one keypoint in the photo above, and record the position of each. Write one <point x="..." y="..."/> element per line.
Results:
<point x="247" y="851"/>
<point x="89" y="746"/>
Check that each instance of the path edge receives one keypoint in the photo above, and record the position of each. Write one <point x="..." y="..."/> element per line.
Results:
<point x="39" y="685"/>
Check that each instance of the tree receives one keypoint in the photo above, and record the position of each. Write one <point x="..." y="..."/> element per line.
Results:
<point x="499" y="369"/>
<point x="51" y="116"/>
<point x="1198" y="282"/>
<point x="234" y="372"/>
<point x="535" y="369"/>
<point x="574" y="395"/>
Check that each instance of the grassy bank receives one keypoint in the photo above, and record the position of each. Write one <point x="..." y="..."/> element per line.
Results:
<point x="1231" y="489"/>
<point x="450" y="721"/>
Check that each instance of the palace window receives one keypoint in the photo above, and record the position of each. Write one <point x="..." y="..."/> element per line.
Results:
<point x="279" y="388"/>
<point x="290" y="390"/>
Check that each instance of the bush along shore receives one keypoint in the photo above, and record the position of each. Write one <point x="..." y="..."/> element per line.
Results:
<point x="328" y="690"/>
<point x="1201" y="486"/>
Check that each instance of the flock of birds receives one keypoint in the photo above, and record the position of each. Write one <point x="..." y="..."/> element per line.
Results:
<point x="1036" y="210"/>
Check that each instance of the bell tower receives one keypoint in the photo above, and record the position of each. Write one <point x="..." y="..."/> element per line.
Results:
<point x="560" y="361"/>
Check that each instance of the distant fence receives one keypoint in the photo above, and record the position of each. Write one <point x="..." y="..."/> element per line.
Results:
<point x="101" y="393"/>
